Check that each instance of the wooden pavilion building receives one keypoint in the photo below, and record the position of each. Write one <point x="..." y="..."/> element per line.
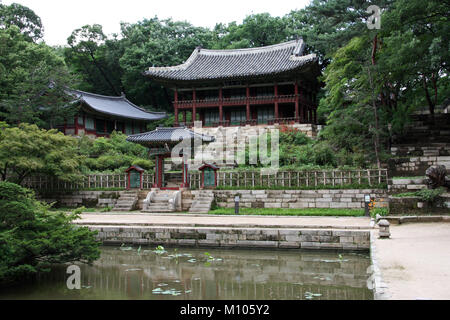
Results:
<point x="99" y="116"/>
<point x="265" y="85"/>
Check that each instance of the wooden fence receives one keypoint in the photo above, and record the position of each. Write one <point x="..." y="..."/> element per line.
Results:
<point x="91" y="181"/>
<point x="303" y="179"/>
<point x="243" y="179"/>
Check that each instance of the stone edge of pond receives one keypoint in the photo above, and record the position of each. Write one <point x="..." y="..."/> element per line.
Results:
<point x="379" y="287"/>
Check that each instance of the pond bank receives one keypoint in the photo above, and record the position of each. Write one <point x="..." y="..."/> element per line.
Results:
<point x="331" y="233"/>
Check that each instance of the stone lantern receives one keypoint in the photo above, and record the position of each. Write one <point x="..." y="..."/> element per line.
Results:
<point x="384" y="229"/>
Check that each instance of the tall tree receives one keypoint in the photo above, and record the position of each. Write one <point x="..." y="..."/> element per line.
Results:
<point x="22" y="17"/>
<point x="87" y="54"/>
<point x="33" y="81"/>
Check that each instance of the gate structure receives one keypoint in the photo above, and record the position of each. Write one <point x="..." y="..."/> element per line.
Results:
<point x="161" y="142"/>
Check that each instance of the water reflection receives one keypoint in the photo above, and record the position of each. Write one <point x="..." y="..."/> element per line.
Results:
<point x="129" y="273"/>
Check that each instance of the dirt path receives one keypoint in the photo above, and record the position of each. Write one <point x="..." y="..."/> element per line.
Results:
<point x="415" y="262"/>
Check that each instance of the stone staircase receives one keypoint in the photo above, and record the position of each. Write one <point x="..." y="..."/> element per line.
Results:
<point x="426" y="143"/>
<point x="162" y="201"/>
<point x="127" y="201"/>
<point x="202" y="202"/>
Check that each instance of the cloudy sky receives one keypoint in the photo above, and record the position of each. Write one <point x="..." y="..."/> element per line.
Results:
<point x="61" y="17"/>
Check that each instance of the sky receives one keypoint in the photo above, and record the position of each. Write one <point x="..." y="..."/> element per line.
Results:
<point x="61" y="17"/>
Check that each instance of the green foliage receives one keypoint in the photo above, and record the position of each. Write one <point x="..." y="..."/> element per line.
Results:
<point x="24" y="18"/>
<point x="381" y="211"/>
<point x="27" y="150"/>
<point x="32" y="237"/>
<point x="113" y="154"/>
<point x="33" y="81"/>
<point x="430" y="195"/>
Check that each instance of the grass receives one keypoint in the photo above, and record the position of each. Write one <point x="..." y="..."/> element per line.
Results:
<point x="291" y="212"/>
<point x="405" y="194"/>
<point x="67" y="209"/>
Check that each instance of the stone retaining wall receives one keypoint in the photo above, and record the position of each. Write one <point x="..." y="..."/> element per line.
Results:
<point x="81" y="198"/>
<point x="414" y="205"/>
<point x="416" y="166"/>
<point x="294" y="199"/>
<point x="236" y="237"/>
<point x="407" y="185"/>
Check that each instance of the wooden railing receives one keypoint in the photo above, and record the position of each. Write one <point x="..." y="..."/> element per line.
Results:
<point x="241" y="179"/>
<point x="91" y="181"/>
<point x="301" y="179"/>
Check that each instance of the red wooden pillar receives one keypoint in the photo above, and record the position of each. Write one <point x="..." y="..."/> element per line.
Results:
<point x="194" y="106"/>
<point x="159" y="163"/>
<point x="220" y="105"/>
<point x="314" y="97"/>
<point x="247" y="101"/>
<point x="176" y="107"/>
<point x="185" y="176"/>
<point x="276" y="100"/>
<point x="184" y="117"/>
<point x="75" y="121"/>
<point x="296" y="100"/>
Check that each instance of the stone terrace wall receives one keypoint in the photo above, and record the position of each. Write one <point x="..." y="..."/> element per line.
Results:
<point x="81" y="198"/>
<point x="416" y="166"/>
<point x="344" y="198"/>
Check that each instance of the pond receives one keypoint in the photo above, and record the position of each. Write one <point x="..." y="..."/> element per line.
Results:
<point x="185" y="273"/>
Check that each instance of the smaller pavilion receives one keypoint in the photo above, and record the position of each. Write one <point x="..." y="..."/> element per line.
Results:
<point x="99" y="116"/>
<point x="162" y="141"/>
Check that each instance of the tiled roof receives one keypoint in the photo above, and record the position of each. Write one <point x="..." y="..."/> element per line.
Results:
<point x="206" y="64"/>
<point x="168" y="135"/>
<point x="116" y="106"/>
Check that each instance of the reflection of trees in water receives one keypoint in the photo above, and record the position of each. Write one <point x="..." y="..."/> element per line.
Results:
<point x="241" y="274"/>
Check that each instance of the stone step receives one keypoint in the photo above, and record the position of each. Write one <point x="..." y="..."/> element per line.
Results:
<point x="127" y="198"/>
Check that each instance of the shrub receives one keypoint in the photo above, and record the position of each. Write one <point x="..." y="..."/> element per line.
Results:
<point x="432" y="196"/>
<point x="32" y="237"/>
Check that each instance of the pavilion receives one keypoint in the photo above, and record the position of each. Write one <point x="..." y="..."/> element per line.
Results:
<point x="264" y="85"/>
<point x="99" y="116"/>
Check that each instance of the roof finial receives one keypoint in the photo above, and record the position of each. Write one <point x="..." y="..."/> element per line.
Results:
<point x="122" y="94"/>
<point x="199" y="48"/>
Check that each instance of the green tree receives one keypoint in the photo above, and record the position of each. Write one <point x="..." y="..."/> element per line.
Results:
<point x="256" y="30"/>
<point x="33" y="81"/>
<point x="112" y="154"/>
<point x="32" y="238"/>
<point x="89" y="54"/>
<point x="22" y="17"/>
<point x="27" y="150"/>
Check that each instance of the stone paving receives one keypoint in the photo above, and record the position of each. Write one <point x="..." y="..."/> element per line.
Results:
<point x="243" y="221"/>
<point x="415" y="261"/>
